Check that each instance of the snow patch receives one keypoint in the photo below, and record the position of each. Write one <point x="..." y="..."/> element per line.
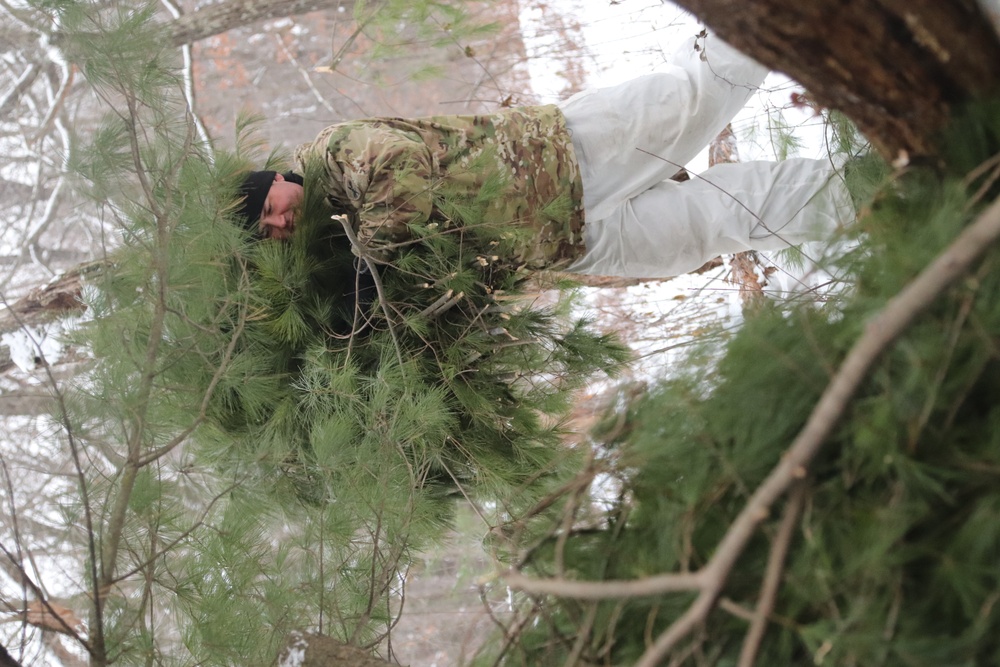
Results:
<point x="30" y="345"/>
<point x="294" y="654"/>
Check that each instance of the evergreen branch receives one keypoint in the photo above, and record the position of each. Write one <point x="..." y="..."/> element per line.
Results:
<point x="880" y="332"/>
<point x="206" y="399"/>
<point x="445" y="303"/>
<point x="363" y="621"/>
<point x="154" y="340"/>
<point x="511" y="633"/>
<point x="461" y="489"/>
<point x="772" y="577"/>
<point x="381" y="579"/>
<point x="994" y="164"/>
<point x="894" y="319"/>
<point x="180" y="538"/>
<point x="582" y="636"/>
<point x="363" y="253"/>
<point x="736" y="609"/>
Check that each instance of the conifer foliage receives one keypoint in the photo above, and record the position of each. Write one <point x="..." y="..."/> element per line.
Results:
<point x="257" y="448"/>
<point x="892" y="532"/>
<point x="435" y="362"/>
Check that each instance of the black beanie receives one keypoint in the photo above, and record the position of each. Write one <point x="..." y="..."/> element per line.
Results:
<point x="254" y="190"/>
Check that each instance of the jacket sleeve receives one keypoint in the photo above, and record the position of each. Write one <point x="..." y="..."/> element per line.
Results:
<point x="385" y="174"/>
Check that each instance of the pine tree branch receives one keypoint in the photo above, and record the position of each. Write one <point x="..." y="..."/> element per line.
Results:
<point x="605" y="590"/>
<point x="198" y="419"/>
<point x="879" y="334"/>
<point x="198" y="523"/>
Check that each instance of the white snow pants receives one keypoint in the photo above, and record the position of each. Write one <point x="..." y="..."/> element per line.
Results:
<point x="631" y="138"/>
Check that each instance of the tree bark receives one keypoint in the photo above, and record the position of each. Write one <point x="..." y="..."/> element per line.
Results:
<point x="231" y="14"/>
<point x="895" y="67"/>
<point x="6" y="659"/>
<point x="57" y="299"/>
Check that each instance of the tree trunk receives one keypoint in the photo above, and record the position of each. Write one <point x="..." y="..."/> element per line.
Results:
<point x="231" y="14"/>
<point x="895" y="67"/>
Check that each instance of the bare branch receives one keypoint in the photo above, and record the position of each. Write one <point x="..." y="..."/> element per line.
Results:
<point x="366" y="256"/>
<point x="10" y="99"/>
<point x="772" y="577"/>
<point x="53" y="301"/>
<point x="604" y="590"/>
<point x="225" y="16"/>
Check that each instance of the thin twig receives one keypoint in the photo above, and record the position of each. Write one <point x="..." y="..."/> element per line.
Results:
<point x="772" y="577"/>
<point x="26" y="579"/>
<point x="376" y="278"/>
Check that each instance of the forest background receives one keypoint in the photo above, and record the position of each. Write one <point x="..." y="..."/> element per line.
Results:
<point x="531" y="53"/>
<point x="47" y="230"/>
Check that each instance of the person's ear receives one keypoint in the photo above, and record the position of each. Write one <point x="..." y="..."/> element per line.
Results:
<point x="278" y="177"/>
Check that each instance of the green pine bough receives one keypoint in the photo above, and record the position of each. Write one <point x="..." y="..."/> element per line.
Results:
<point x="442" y="372"/>
<point x="885" y="548"/>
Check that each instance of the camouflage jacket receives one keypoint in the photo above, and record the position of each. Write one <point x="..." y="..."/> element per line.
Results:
<point x="390" y="173"/>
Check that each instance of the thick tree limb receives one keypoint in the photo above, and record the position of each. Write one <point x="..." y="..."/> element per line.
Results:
<point x="231" y="14"/>
<point x="895" y="67"/>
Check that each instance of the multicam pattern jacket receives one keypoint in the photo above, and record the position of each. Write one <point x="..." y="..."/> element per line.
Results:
<point x="390" y="173"/>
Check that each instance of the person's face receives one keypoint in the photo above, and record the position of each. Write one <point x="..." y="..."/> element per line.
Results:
<point x="277" y="218"/>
